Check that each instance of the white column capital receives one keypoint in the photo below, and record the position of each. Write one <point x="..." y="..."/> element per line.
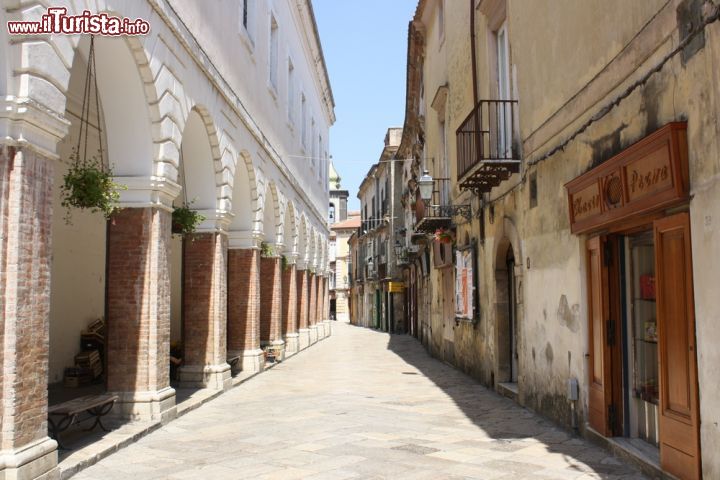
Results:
<point x="27" y="124"/>
<point x="245" y="239"/>
<point x="142" y="192"/>
<point x="215" y="221"/>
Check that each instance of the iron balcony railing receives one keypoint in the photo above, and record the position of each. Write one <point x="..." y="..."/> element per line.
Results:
<point x="440" y="198"/>
<point x="367" y="226"/>
<point x="437" y="213"/>
<point x="485" y="145"/>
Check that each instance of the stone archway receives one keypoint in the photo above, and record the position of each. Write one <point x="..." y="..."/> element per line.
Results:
<point x="204" y="259"/>
<point x="243" y="312"/>
<point x="508" y="308"/>
<point x="101" y="270"/>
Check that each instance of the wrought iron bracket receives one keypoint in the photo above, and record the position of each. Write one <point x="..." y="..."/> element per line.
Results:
<point x="464" y="211"/>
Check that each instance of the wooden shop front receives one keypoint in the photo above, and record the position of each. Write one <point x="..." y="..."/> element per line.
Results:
<point x="642" y="365"/>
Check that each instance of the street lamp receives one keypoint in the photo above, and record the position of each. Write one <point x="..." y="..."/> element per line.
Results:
<point x="425" y="184"/>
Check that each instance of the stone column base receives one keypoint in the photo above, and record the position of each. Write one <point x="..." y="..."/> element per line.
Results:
<point x="37" y="460"/>
<point x="328" y="327"/>
<point x="215" y="377"/>
<point x="304" y="338"/>
<point x="251" y="361"/>
<point x="146" y="406"/>
<point x="292" y="343"/>
<point x="321" y="329"/>
<point x="313" y="334"/>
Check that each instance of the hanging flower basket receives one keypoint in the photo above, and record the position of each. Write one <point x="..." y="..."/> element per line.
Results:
<point x="87" y="185"/>
<point x="185" y="220"/>
<point x="266" y="250"/>
<point x="444" y="235"/>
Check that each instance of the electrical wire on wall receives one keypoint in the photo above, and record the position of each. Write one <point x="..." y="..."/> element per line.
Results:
<point x="712" y="16"/>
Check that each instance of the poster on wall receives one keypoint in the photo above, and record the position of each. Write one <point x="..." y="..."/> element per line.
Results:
<point x="464" y="305"/>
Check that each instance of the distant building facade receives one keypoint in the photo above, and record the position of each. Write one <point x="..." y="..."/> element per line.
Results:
<point x="342" y="225"/>
<point x="377" y="284"/>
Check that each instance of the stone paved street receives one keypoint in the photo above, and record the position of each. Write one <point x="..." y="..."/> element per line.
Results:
<point x="361" y="404"/>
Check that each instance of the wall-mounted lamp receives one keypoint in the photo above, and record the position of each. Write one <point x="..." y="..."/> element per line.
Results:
<point x="426" y="184"/>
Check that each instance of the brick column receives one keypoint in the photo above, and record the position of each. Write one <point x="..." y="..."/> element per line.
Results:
<point x="302" y="309"/>
<point x="289" y="307"/>
<point x="138" y="313"/>
<point x="25" y="219"/>
<point x="326" y="308"/>
<point x="244" y="309"/>
<point x="319" y="307"/>
<point x="271" y="301"/>
<point x="205" y="312"/>
<point x="312" y="308"/>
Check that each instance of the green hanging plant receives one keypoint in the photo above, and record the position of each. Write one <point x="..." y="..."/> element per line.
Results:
<point x="88" y="185"/>
<point x="266" y="250"/>
<point x="185" y="220"/>
<point x="285" y="263"/>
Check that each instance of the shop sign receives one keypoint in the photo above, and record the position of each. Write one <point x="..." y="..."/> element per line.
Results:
<point x="645" y="178"/>
<point x="396" y="287"/>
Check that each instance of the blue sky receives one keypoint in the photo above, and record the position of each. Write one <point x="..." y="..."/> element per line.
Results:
<point x="365" y="47"/>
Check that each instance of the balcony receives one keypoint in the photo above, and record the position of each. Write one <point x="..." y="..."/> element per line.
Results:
<point x="438" y="212"/>
<point x="485" y="153"/>
<point x="367" y="226"/>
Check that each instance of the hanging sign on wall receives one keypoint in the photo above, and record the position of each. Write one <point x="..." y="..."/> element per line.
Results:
<point x="646" y="177"/>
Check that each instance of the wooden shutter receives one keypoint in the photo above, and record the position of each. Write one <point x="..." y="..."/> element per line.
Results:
<point x="600" y="390"/>
<point x="679" y="417"/>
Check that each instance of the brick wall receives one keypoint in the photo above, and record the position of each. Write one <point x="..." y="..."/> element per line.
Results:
<point x="312" y="295"/>
<point x="321" y="299"/>
<point x="326" y="312"/>
<point x="270" y="299"/>
<point x="243" y="300"/>
<point x="204" y="299"/>
<point x="302" y="298"/>
<point x="289" y="300"/>
<point x="138" y="300"/>
<point x="25" y="215"/>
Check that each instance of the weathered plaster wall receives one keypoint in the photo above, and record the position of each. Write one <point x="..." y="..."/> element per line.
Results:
<point x="554" y="69"/>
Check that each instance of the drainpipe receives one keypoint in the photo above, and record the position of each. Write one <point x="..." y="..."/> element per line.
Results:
<point x="478" y="137"/>
<point x="474" y="59"/>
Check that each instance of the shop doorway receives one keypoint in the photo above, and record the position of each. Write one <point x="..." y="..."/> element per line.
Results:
<point x="643" y="371"/>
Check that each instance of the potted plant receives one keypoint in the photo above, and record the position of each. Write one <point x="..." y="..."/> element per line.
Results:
<point x="266" y="250"/>
<point x="443" y="235"/>
<point x="185" y="220"/>
<point x="89" y="185"/>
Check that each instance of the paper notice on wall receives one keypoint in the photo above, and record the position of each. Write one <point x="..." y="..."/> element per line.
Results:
<point x="464" y="284"/>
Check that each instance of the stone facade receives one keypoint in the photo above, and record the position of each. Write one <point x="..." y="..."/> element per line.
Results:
<point x="181" y="126"/>
<point x="585" y="104"/>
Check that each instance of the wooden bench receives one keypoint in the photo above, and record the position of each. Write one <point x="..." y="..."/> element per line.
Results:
<point x="63" y="415"/>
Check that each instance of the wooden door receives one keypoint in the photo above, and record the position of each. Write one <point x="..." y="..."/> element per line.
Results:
<point x="599" y="362"/>
<point x="679" y="416"/>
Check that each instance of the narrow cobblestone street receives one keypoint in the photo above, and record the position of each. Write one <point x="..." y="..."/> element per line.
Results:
<point x="361" y="404"/>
